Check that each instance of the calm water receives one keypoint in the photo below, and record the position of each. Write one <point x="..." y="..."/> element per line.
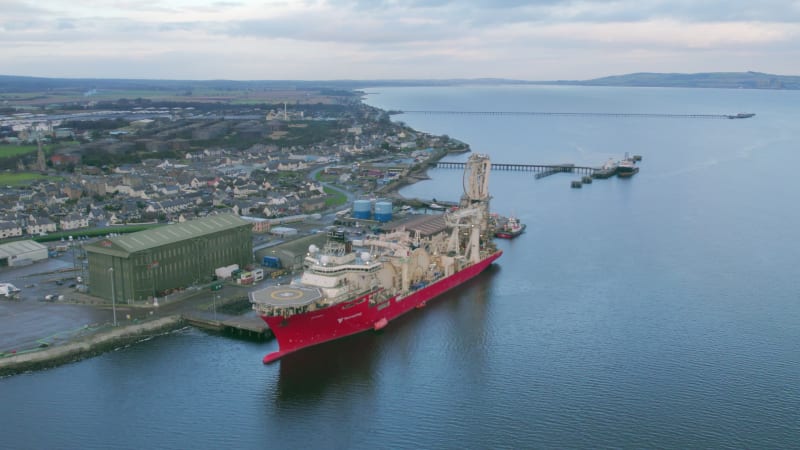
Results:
<point x="659" y="311"/>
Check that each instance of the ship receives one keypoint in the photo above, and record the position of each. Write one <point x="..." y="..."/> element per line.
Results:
<point x="510" y="229"/>
<point x="627" y="168"/>
<point x="352" y="286"/>
<point x="741" y="116"/>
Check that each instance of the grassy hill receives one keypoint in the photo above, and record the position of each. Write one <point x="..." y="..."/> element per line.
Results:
<point x="730" y="80"/>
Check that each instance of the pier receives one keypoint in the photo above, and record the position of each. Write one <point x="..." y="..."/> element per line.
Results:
<point x="583" y="114"/>
<point x="541" y="170"/>
<point x="243" y="326"/>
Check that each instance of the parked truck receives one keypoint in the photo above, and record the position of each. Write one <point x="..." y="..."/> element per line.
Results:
<point x="225" y="272"/>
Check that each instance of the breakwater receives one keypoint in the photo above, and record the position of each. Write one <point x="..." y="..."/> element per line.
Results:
<point x="93" y="345"/>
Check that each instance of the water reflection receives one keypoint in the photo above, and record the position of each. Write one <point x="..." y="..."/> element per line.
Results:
<point x="307" y="374"/>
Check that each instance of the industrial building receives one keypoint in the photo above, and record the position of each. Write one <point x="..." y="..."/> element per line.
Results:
<point x="21" y="253"/>
<point x="142" y="265"/>
<point x="291" y="254"/>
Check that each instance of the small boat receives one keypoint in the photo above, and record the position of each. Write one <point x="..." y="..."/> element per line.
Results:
<point x="510" y="229"/>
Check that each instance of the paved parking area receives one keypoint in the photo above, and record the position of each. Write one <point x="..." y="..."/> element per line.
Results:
<point x="31" y="321"/>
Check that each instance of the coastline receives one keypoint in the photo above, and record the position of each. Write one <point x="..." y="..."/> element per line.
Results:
<point x="417" y="174"/>
<point x="107" y="339"/>
<point x="88" y="347"/>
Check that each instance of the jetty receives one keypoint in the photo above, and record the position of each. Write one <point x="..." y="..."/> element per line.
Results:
<point x="241" y="326"/>
<point x="582" y="114"/>
<point x="607" y="170"/>
<point x="541" y="170"/>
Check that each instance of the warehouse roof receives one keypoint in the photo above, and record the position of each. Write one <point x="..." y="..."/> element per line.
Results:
<point x="19" y="248"/>
<point x="157" y="237"/>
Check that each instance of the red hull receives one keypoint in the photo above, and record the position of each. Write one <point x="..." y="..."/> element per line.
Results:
<point x="346" y="318"/>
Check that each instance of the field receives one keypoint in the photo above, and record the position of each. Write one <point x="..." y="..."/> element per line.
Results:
<point x="7" y="151"/>
<point x="10" y="150"/>
<point x="248" y="96"/>
<point x="335" y="198"/>
<point x="20" y="178"/>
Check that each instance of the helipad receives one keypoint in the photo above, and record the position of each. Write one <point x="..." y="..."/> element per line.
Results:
<point x="285" y="295"/>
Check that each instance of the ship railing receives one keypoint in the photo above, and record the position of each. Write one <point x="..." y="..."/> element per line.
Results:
<point x="323" y="270"/>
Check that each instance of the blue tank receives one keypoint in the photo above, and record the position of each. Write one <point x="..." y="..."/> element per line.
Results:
<point x="383" y="211"/>
<point x="362" y="209"/>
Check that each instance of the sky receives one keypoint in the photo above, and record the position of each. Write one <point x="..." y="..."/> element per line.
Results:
<point x="395" y="39"/>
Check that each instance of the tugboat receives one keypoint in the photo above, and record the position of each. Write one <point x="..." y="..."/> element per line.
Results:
<point x="510" y="229"/>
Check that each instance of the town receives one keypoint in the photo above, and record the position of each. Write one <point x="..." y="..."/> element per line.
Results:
<point x="125" y="162"/>
<point x="86" y="181"/>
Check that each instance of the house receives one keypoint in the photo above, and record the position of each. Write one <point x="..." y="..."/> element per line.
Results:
<point x="276" y="200"/>
<point x="40" y="225"/>
<point x="74" y="221"/>
<point x="125" y="168"/>
<point x="170" y="190"/>
<point x="260" y="225"/>
<point x="73" y="191"/>
<point x="169" y="206"/>
<point x="97" y="214"/>
<point x="313" y="204"/>
<point x="286" y="164"/>
<point x="66" y="159"/>
<point x="9" y="229"/>
<point x="245" y="190"/>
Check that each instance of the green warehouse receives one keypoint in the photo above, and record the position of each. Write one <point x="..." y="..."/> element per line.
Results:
<point x="168" y="257"/>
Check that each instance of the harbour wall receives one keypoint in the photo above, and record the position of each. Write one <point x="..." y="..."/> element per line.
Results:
<point x="90" y="346"/>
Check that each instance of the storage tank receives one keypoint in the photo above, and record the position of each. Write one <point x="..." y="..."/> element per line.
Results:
<point x="362" y="209"/>
<point x="383" y="211"/>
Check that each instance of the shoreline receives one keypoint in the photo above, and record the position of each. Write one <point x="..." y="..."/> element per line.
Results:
<point x="88" y="347"/>
<point x="109" y="339"/>
<point x="417" y="175"/>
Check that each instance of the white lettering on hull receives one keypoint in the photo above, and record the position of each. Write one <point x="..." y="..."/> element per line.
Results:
<point x="348" y="317"/>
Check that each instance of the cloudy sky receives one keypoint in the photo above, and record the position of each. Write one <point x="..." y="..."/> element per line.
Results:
<point x="390" y="39"/>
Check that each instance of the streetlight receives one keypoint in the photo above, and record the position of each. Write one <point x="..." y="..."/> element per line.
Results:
<point x="113" y="295"/>
<point x="215" y="306"/>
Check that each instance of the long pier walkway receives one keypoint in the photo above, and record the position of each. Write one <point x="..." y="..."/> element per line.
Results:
<point x="541" y="170"/>
<point x="580" y="114"/>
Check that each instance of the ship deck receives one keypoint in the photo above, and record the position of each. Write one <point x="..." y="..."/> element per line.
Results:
<point x="286" y="296"/>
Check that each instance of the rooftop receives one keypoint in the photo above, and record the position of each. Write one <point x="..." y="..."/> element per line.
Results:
<point x="156" y="237"/>
<point x="19" y="247"/>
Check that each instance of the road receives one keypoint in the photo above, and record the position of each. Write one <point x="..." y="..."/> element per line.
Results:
<point x="313" y="176"/>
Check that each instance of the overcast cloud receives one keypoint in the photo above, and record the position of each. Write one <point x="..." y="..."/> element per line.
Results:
<point x="360" y="39"/>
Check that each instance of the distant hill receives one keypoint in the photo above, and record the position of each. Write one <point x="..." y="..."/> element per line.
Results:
<point x="16" y="84"/>
<point x="729" y="80"/>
